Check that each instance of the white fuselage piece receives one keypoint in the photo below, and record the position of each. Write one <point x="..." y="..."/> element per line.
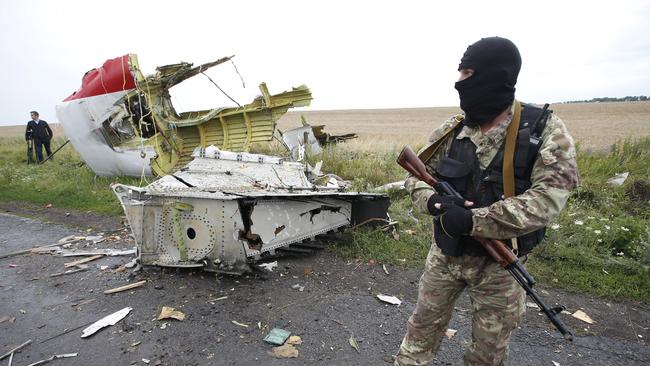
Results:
<point x="82" y="120"/>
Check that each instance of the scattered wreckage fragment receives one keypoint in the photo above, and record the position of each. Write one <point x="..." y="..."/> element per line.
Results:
<point x="226" y="210"/>
<point x="315" y="136"/>
<point x="123" y="123"/>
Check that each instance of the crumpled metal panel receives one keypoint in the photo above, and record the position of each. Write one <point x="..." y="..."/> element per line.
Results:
<point x="295" y="141"/>
<point x="225" y="210"/>
<point x="280" y="222"/>
<point x="123" y="123"/>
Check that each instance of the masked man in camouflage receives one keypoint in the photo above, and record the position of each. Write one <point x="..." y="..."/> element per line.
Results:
<point x="468" y="152"/>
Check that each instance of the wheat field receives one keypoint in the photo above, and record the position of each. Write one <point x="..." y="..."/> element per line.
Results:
<point x="595" y="126"/>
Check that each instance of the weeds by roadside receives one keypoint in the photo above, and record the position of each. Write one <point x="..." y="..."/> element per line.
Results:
<point x="600" y="244"/>
<point x="65" y="182"/>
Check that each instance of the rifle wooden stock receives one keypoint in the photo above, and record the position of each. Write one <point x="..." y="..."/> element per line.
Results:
<point x="408" y="160"/>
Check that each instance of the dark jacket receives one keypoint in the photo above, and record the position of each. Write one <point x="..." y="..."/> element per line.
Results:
<point x="40" y="131"/>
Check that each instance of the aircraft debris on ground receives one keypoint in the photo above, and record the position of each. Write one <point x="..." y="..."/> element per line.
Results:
<point x="226" y="210"/>
<point x="216" y="206"/>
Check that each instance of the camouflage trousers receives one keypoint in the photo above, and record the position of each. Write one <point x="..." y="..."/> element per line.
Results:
<point x="498" y="307"/>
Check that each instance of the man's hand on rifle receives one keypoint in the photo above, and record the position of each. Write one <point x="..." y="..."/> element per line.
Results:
<point x="435" y="202"/>
<point x="455" y="220"/>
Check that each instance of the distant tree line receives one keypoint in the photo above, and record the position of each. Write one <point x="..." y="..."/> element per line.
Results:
<point x="637" y="98"/>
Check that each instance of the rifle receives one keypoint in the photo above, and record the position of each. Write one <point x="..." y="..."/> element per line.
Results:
<point x="496" y="248"/>
<point x="55" y="151"/>
<point x="30" y="151"/>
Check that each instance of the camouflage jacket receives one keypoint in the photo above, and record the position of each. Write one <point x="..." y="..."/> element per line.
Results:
<point x="554" y="175"/>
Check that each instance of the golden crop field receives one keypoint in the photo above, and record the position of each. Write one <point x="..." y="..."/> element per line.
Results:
<point x="595" y="126"/>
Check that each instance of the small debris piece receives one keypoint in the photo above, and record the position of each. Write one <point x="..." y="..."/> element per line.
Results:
<point x="11" y="265"/>
<point x="450" y="332"/>
<point x="95" y="238"/>
<point x="389" y="299"/>
<point x="307" y="271"/>
<point x="618" y="179"/>
<point x="239" y="324"/>
<point x="49" y="205"/>
<point x="410" y="232"/>
<point x="532" y="305"/>
<point x="395" y="233"/>
<point x="284" y="351"/>
<point x="384" y="267"/>
<point x="171" y="313"/>
<point x="15" y="349"/>
<point x="298" y="287"/>
<point x="106" y="321"/>
<point x="294" y="340"/>
<point x="41" y="362"/>
<point x="80" y="268"/>
<point x="583" y="316"/>
<point x="5" y="318"/>
<point x="82" y="261"/>
<point x="221" y="298"/>
<point x="83" y="302"/>
<point x="130" y="264"/>
<point x="135" y="344"/>
<point x="353" y="342"/>
<point x="109" y="252"/>
<point x="277" y="336"/>
<point x="49" y="249"/>
<point x="146" y="360"/>
<point x="25" y="251"/>
<point x="555" y="363"/>
<point x="269" y="266"/>
<point x="125" y="287"/>
<point x="66" y="239"/>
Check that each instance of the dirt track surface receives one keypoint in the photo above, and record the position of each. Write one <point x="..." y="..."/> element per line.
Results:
<point x="338" y="301"/>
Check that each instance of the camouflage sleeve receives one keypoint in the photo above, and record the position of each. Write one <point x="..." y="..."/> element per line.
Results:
<point x="420" y="191"/>
<point x="554" y="175"/>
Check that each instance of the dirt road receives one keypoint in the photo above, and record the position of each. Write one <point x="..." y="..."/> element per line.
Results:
<point x="338" y="301"/>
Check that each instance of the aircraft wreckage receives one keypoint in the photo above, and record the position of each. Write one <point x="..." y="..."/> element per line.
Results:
<point x="226" y="210"/>
<point x="123" y="123"/>
<point x="218" y="208"/>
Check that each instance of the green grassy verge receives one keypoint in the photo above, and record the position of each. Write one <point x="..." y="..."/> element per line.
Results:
<point x="64" y="182"/>
<point x="599" y="245"/>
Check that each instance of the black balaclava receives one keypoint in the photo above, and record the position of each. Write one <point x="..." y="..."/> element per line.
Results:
<point x="491" y="89"/>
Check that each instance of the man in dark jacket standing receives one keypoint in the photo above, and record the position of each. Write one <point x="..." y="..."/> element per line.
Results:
<point x="40" y="132"/>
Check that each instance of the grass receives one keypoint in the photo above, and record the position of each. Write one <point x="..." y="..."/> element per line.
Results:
<point x="65" y="182"/>
<point x="599" y="245"/>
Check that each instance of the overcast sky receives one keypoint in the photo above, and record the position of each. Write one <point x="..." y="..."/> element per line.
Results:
<point x="352" y="54"/>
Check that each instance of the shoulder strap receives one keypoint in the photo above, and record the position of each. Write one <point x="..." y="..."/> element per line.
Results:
<point x="426" y="153"/>
<point x="509" y="159"/>
<point x="509" y="153"/>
